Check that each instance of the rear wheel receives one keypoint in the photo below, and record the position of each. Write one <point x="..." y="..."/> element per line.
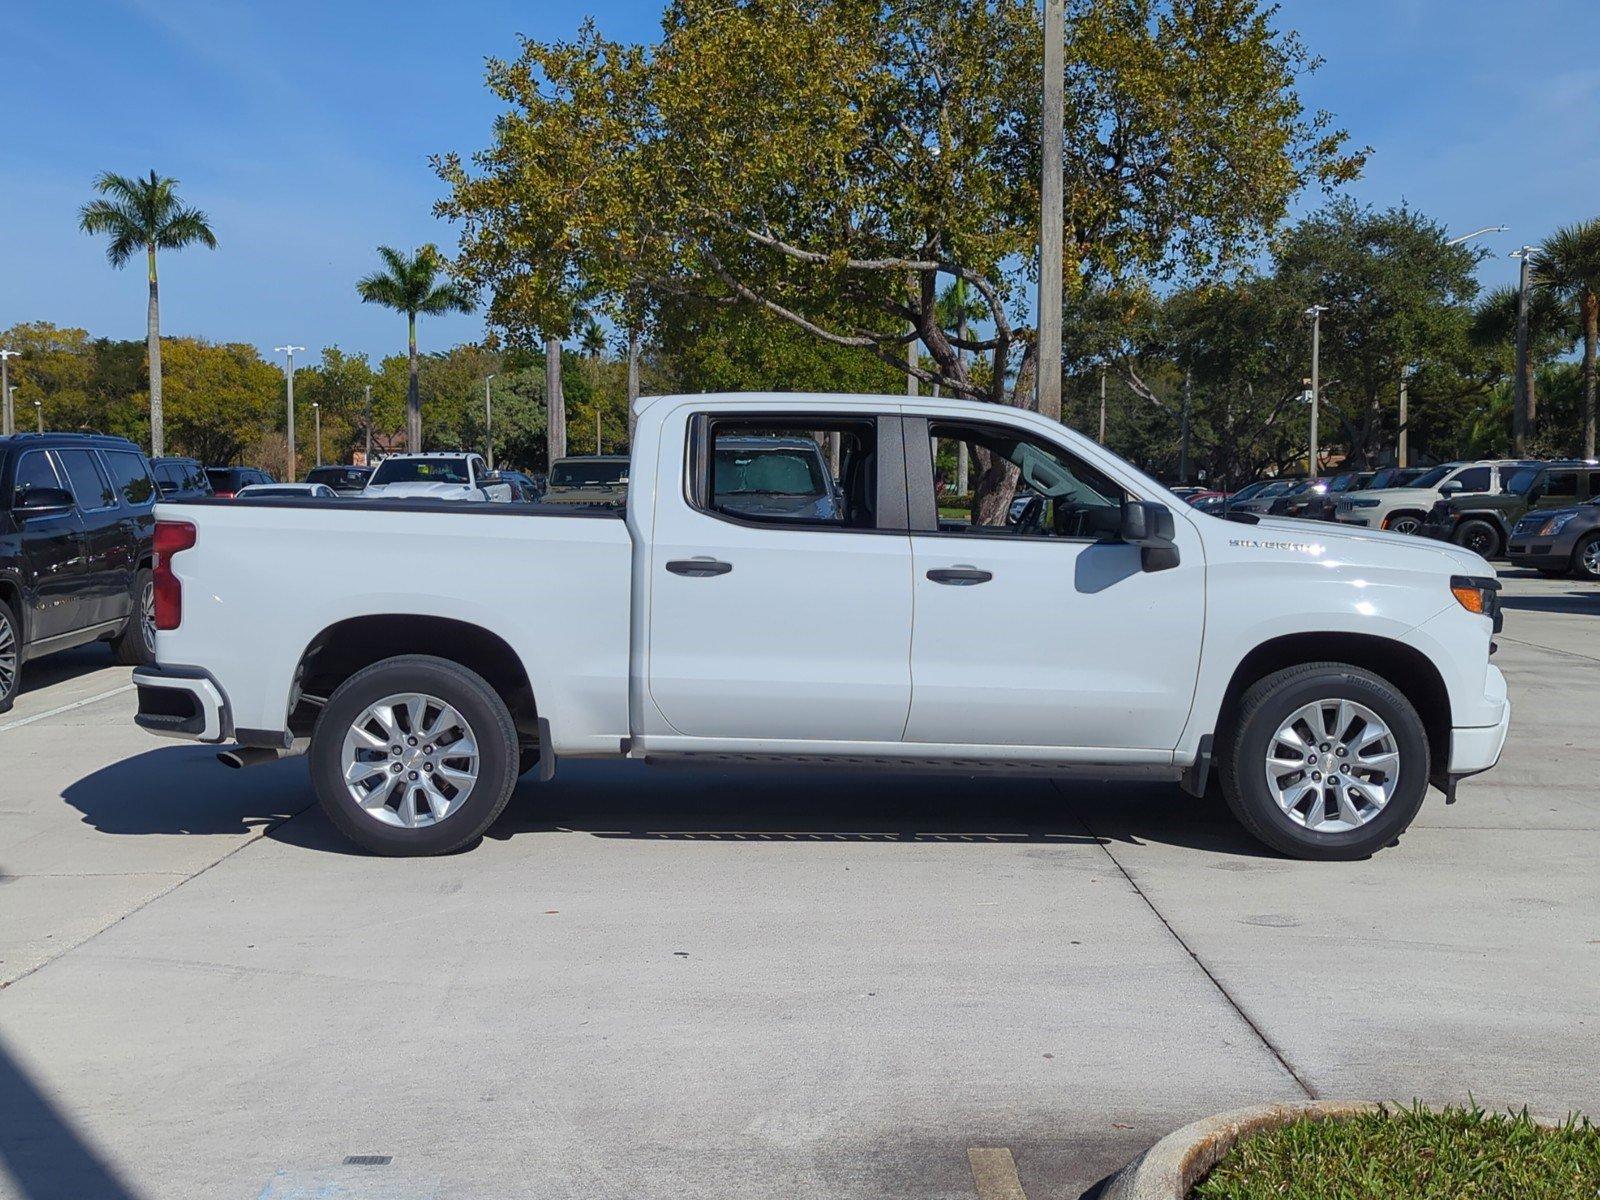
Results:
<point x="135" y="646"/>
<point x="414" y="755"/>
<point x="1586" y="557"/>
<point x="1478" y="536"/>
<point x="1325" y="761"/>
<point x="10" y="656"/>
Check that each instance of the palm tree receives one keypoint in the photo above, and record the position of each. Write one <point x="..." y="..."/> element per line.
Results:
<point x="145" y="213"/>
<point x="410" y="284"/>
<point x="1551" y="331"/>
<point x="1569" y="266"/>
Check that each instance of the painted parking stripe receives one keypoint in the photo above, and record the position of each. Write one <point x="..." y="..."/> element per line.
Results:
<point x="56" y="712"/>
<point x="994" y="1173"/>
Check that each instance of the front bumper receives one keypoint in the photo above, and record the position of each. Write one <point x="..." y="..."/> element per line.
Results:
<point x="1354" y="518"/>
<point x="1541" y="555"/>
<point x="1475" y="748"/>
<point x="182" y="702"/>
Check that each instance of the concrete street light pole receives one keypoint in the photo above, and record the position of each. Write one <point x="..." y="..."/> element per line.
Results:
<point x="8" y="424"/>
<point x="289" y="350"/>
<point x="11" y="408"/>
<point x="488" y="422"/>
<point x="1102" y="438"/>
<point x="369" y="425"/>
<point x="1522" y="412"/>
<point x="1048" y="376"/>
<point x="1315" y="313"/>
<point x="38" y="411"/>
<point x="316" y="413"/>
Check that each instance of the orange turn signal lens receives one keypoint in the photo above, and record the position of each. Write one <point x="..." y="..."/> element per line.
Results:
<point x="1470" y="598"/>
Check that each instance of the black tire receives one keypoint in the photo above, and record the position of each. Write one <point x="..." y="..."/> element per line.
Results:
<point x="1481" y="537"/>
<point x="1265" y="706"/>
<point x="10" y="636"/>
<point x="1584" y="547"/>
<point x="134" y="647"/>
<point x="1405" y="522"/>
<point x="481" y="707"/>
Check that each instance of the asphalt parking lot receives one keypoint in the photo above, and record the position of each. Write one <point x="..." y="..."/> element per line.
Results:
<point x="653" y="984"/>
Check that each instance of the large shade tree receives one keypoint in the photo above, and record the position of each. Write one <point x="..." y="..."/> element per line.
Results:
<point x="1569" y="266"/>
<point x="833" y="164"/>
<point x="145" y="214"/>
<point x="411" y="283"/>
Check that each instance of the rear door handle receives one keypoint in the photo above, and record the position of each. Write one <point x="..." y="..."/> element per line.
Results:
<point x="960" y="576"/>
<point x="699" y="568"/>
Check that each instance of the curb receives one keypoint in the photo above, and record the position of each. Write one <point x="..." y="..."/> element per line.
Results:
<point x="1173" y="1165"/>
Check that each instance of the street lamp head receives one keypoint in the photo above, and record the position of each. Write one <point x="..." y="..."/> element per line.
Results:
<point x="1316" y="310"/>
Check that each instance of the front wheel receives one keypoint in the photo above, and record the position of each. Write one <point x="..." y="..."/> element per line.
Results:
<point x="1325" y="761"/>
<point x="1404" y="523"/>
<point x="1586" y="558"/>
<point x="414" y="755"/>
<point x="1480" y="537"/>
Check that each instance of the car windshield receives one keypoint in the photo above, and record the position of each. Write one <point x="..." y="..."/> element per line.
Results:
<point x="781" y="471"/>
<point x="1431" y="479"/>
<point x="1276" y="488"/>
<point x="588" y="473"/>
<point x="1249" y="489"/>
<point x="1523" y="480"/>
<point x="421" y="470"/>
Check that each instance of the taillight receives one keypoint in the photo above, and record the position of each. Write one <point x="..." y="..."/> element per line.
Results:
<point x="223" y="495"/>
<point x="171" y="537"/>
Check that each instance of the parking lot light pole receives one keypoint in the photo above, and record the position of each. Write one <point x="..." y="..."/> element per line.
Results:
<point x="8" y="426"/>
<point x="369" y="425"/>
<point x="316" y="412"/>
<point x="1047" y="381"/>
<point x="1315" y="313"/>
<point x="11" y="408"/>
<point x="1522" y="414"/>
<point x="488" y="422"/>
<point x="38" y="411"/>
<point x="289" y="350"/>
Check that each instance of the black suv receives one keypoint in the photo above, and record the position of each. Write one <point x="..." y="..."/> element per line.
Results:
<point x="226" y="481"/>
<point x="76" y="535"/>
<point x="1482" y="521"/>
<point x="180" y="479"/>
<point x="342" y="479"/>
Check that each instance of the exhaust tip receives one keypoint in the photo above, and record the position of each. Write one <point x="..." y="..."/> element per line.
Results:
<point x="247" y="756"/>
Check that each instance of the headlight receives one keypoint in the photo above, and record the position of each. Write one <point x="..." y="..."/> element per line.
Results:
<point x="1362" y="503"/>
<point x="1478" y="595"/>
<point x="1553" y="525"/>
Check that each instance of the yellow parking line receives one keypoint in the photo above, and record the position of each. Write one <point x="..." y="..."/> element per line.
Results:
<point x="994" y="1173"/>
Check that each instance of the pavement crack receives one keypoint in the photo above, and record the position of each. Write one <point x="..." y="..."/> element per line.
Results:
<point x="1222" y="990"/>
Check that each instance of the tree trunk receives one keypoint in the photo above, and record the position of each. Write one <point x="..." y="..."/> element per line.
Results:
<point x="555" y="402"/>
<point x="158" y="433"/>
<point x="996" y="483"/>
<point x="1591" y="335"/>
<point x="413" y="390"/>
<point x="633" y="379"/>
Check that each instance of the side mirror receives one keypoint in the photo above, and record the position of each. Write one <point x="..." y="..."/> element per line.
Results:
<point x="1150" y="526"/>
<point x="42" y="502"/>
<point x="1454" y="488"/>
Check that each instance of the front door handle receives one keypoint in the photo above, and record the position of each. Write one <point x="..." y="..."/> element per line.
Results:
<point x="699" y="568"/>
<point x="960" y="576"/>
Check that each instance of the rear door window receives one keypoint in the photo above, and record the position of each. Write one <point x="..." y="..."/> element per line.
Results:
<point x="130" y="476"/>
<point x="89" y="484"/>
<point x="1560" y="487"/>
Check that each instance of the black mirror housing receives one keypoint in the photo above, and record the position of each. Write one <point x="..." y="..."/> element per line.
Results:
<point x="42" y="502"/>
<point x="1151" y="527"/>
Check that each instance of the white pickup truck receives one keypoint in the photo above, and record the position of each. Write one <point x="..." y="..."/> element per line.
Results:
<point x="424" y="653"/>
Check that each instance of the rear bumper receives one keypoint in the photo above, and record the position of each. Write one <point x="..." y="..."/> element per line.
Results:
<point x="182" y="702"/>
<point x="1475" y="748"/>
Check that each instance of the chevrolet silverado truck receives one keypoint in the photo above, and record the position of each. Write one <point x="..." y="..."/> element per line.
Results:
<point x="1322" y="677"/>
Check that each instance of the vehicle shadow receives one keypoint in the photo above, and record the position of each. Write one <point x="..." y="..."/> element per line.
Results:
<point x="817" y="806"/>
<point x="44" y="1155"/>
<point x="184" y="789"/>
<point x="55" y="668"/>
<point x="1586" y="604"/>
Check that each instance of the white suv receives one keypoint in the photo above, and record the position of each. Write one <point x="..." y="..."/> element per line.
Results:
<point x="1402" y="509"/>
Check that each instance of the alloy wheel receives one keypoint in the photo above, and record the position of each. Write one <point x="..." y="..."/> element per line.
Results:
<point x="1405" y="525"/>
<point x="1589" y="558"/>
<point x="8" y="656"/>
<point x="1332" y="765"/>
<point x="410" y="760"/>
<point x="147" y="618"/>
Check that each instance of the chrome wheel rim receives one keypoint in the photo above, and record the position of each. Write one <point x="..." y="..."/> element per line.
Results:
<point x="410" y="760"/>
<point x="8" y="656"/>
<point x="1332" y="766"/>
<point x="1404" y="525"/>
<point x="147" y="618"/>
<point x="1589" y="557"/>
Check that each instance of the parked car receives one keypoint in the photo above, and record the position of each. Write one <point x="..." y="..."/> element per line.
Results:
<point x="1327" y="680"/>
<point x="226" y="481"/>
<point x="180" y="479"/>
<point x="1260" y="501"/>
<point x="341" y="478"/>
<point x="458" y="476"/>
<point x="1482" y="521"/>
<point x="588" y="479"/>
<point x="523" y="488"/>
<point x="75" y="549"/>
<point x="1402" y="508"/>
<point x="1559" y="541"/>
<point x="1314" y="500"/>
<point x="286" y="491"/>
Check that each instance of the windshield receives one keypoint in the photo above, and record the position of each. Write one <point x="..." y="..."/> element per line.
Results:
<point x="592" y="472"/>
<point x="1249" y="489"/>
<point x="777" y="472"/>
<point x="421" y="470"/>
<point x="1276" y="488"/>
<point x="1431" y="479"/>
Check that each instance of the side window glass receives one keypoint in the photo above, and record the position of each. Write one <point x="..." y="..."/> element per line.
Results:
<point x="130" y="476"/>
<point x="1474" y="479"/>
<point x="1561" y="485"/>
<point x="1053" y="493"/>
<point x="822" y="472"/>
<point x="92" y="489"/>
<point x="33" y="471"/>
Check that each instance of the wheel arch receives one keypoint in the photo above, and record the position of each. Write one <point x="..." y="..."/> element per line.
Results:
<point x="11" y="593"/>
<point x="349" y="645"/>
<point x="1411" y="672"/>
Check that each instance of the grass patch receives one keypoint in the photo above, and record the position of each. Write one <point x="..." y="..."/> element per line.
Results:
<point x="1412" y="1154"/>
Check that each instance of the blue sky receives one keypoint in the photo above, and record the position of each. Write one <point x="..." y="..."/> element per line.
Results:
<point x="304" y="129"/>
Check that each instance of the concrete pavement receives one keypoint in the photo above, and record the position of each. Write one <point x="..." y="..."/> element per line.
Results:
<point x="665" y="984"/>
